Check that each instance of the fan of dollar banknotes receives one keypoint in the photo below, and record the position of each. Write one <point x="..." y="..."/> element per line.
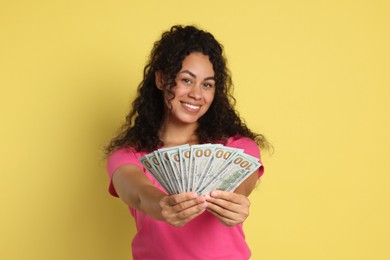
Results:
<point x="200" y="168"/>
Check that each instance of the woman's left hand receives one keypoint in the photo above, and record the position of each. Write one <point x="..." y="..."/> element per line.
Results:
<point x="230" y="208"/>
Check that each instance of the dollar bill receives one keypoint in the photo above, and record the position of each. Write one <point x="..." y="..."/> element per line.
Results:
<point x="217" y="161"/>
<point x="239" y="167"/>
<point x="173" y="155"/>
<point x="200" y="168"/>
<point x="199" y="157"/>
<point x="252" y="167"/>
<point x="150" y="162"/>
<point x="167" y="170"/>
<point x="184" y="155"/>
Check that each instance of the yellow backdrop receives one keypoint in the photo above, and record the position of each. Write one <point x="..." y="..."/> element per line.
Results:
<point x="313" y="76"/>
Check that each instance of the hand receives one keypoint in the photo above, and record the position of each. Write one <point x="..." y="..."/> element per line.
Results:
<point x="230" y="208"/>
<point x="179" y="209"/>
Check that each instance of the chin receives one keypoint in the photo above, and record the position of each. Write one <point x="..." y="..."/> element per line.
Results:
<point x="188" y="120"/>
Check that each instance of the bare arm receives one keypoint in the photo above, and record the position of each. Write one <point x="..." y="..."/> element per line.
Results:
<point x="138" y="192"/>
<point x="247" y="186"/>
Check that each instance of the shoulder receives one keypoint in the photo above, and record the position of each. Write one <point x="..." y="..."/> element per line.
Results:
<point x="248" y="145"/>
<point x="123" y="156"/>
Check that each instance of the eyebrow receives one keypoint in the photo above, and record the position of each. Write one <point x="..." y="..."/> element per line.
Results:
<point x="194" y="76"/>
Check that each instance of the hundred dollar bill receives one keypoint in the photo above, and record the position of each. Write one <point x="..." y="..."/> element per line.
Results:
<point x="174" y="160"/>
<point x="239" y="167"/>
<point x="250" y="159"/>
<point x="200" y="155"/>
<point x="184" y="155"/>
<point x="169" y="175"/>
<point x="163" y="172"/>
<point x="220" y="156"/>
<point x="149" y="167"/>
<point x="150" y="162"/>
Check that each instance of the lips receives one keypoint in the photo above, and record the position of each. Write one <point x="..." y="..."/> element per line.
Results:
<point x="190" y="107"/>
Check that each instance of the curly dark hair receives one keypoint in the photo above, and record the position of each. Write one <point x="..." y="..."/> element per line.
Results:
<point x="221" y="121"/>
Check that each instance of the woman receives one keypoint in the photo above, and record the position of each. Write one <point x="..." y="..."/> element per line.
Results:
<point x="184" y="98"/>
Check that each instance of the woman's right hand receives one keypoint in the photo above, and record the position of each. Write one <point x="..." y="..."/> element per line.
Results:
<point x="179" y="209"/>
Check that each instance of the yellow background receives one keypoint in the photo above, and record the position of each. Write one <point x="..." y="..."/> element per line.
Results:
<point x="313" y="76"/>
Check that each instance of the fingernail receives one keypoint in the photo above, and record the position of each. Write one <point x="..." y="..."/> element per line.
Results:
<point x="214" y="193"/>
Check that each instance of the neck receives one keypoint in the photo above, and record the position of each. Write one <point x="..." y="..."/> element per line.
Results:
<point x="173" y="134"/>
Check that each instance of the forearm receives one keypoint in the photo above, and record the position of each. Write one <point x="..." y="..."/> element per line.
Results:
<point x="137" y="191"/>
<point x="248" y="185"/>
<point x="149" y="202"/>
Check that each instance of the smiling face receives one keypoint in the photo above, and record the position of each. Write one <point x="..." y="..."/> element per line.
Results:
<point x="194" y="90"/>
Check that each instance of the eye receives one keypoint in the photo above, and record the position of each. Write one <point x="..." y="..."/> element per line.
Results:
<point x="186" y="81"/>
<point x="208" y="85"/>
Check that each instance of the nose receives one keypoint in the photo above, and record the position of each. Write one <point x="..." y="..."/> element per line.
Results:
<point x="195" y="92"/>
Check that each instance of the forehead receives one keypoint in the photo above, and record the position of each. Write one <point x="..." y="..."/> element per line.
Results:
<point x="198" y="63"/>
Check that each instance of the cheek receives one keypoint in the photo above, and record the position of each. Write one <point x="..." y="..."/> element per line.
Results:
<point x="179" y="91"/>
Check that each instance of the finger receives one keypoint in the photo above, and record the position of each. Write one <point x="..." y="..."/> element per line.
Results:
<point x="223" y="219"/>
<point x="189" y="203"/>
<point x="184" y="209"/>
<point x="185" y="215"/>
<point x="178" y="198"/>
<point x="228" y="217"/>
<point x="228" y="205"/>
<point x="223" y="211"/>
<point x="229" y="196"/>
<point x="181" y="222"/>
<point x="192" y="212"/>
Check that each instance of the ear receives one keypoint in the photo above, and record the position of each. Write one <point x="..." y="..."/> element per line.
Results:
<point x="159" y="80"/>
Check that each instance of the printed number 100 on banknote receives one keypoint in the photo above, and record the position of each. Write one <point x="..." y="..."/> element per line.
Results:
<point x="200" y="168"/>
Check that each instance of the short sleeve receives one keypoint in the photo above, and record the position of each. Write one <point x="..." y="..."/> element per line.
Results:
<point x="117" y="159"/>
<point x="249" y="146"/>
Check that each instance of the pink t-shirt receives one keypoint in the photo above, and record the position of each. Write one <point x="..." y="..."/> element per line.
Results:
<point x="202" y="238"/>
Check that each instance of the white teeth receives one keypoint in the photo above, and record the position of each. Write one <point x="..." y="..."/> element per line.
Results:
<point x="191" y="106"/>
